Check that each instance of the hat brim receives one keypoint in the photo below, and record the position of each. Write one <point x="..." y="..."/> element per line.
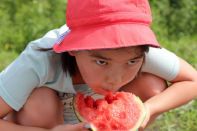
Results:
<point x="107" y="37"/>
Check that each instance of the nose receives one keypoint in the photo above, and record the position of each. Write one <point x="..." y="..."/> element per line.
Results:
<point x="114" y="80"/>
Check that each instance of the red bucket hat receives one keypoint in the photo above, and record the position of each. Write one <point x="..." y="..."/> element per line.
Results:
<point x="99" y="24"/>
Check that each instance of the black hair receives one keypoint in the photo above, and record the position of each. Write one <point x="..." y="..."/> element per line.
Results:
<point x="69" y="64"/>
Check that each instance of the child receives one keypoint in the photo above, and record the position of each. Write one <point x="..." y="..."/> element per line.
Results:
<point x="105" y="48"/>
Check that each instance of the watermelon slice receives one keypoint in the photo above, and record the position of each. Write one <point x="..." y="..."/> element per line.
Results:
<point x="121" y="111"/>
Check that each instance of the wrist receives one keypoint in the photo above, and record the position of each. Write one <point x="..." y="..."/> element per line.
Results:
<point x="150" y="108"/>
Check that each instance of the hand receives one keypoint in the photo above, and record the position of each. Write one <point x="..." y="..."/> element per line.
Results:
<point x="69" y="127"/>
<point x="146" y="119"/>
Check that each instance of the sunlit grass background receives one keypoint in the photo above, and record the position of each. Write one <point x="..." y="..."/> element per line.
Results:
<point x="185" y="117"/>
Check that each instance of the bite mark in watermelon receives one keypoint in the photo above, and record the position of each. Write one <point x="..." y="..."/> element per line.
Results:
<point x="121" y="111"/>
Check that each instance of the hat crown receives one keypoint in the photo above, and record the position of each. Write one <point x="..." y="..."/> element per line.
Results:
<point x="96" y="12"/>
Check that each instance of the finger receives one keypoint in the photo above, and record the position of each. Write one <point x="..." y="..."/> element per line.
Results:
<point x="82" y="127"/>
<point x="140" y="129"/>
<point x="88" y="127"/>
<point x="147" y="116"/>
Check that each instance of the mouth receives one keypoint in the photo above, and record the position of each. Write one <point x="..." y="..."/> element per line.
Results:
<point x="102" y="91"/>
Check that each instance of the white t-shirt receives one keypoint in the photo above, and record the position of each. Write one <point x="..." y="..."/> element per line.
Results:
<point x="33" y="69"/>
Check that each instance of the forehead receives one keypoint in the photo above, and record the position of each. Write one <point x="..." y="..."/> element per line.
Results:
<point x="131" y="51"/>
<point x="119" y="54"/>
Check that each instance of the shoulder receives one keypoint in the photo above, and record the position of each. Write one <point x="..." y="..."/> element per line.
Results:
<point x="161" y="62"/>
<point x="157" y="52"/>
<point x="42" y="61"/>
<point x="51" y="37"/>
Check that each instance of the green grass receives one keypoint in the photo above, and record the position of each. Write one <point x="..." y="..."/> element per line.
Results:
<point x="183" y="118"/>
<point x="6" y="58"/>
<point x="185" y="48"/>
<point x="180" y="119"/>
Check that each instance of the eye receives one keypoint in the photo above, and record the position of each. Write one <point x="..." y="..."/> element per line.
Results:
<point x="101" y="62"/>
<point x="132" y="62"/>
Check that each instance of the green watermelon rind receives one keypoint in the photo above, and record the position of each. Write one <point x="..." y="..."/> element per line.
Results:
<point x="135" y="128"/>
<point x="79" y="117"/>
<point x="143" y="115"/>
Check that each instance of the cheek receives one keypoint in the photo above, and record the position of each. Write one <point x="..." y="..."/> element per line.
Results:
<point x="90" y="74"/>
<point x="131" y="73"/>
<point x="94" y="80"/>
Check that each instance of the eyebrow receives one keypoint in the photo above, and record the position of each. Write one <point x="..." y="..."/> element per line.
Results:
<point x="97" y="55"/>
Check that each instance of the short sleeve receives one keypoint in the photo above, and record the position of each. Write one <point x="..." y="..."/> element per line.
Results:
<point x="21" y="77"/>
<point x="162" y="63"/>
<point x="33" y="68"/>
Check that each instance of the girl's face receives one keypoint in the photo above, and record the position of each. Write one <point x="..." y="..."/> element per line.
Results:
<point x="108" y="70"/>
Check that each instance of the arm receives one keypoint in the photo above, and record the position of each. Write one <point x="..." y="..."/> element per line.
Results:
<point x="9" y="126"/>
<point x="18" y="80"/>
<point x="182" y="90"/>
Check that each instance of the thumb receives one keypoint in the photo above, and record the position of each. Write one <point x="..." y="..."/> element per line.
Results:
<point x="81" y="126"/>
<point x="147" y="117"/>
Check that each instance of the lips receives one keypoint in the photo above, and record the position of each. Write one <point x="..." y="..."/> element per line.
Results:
<point x="101" y="91"/>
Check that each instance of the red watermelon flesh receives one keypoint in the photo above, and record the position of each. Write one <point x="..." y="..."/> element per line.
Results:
<point x="120" y="111"/>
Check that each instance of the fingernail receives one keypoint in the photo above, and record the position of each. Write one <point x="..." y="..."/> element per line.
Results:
<point x="87" y="126"/>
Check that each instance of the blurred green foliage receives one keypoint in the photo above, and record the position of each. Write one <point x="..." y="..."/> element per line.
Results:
<point x="6" y="58"/>
<point x="174" y="18"/>
<point x="25" y="20"/>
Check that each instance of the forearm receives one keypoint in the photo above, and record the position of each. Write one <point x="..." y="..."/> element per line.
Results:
<point x="8" y="126"/>
<point x="177" y="94"/>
